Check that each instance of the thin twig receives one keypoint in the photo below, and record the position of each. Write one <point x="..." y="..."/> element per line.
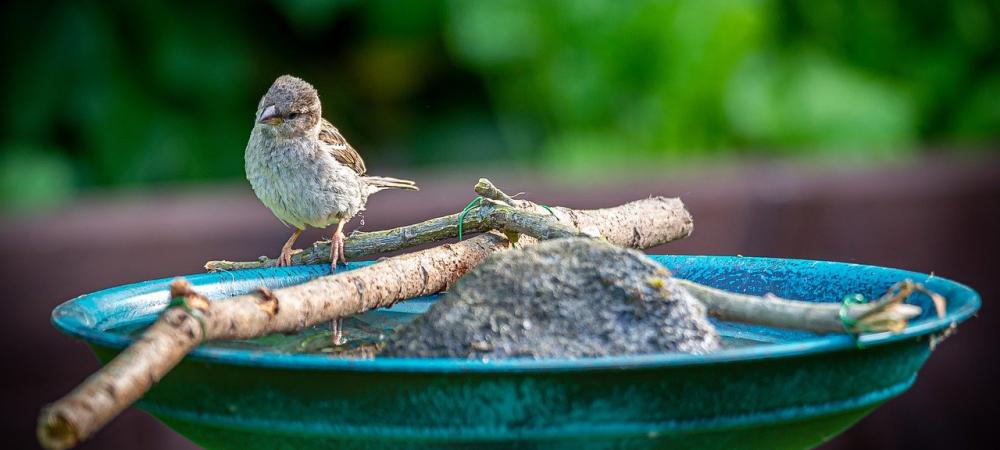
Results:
<point x="639" y="224"/>
<point x="889" y="313"/>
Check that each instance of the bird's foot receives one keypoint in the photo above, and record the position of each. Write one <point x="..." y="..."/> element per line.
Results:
<point x="337" y="250"/>
<point x="336" y="331"/>
<point x="285" y="258"/>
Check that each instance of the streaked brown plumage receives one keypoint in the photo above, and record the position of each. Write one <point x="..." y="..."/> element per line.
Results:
<point x="303" y="169"/>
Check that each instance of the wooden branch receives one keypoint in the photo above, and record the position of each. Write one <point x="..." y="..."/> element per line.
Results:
<point x="96" y="401"/>
<point x="889" y="313"/>
<point x="486" y="189"/>
<point x="640" y="224"/>
<point x="180" y="329"/>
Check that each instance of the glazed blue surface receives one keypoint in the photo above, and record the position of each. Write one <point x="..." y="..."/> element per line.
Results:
<point x="787" y="390"/>
<point x="90" y="316"/>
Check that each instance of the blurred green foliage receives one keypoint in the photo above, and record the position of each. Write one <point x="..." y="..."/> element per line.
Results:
<point x="121" y="93"/>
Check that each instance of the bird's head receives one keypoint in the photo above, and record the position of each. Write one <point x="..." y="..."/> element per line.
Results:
<point x="290" y="108"/>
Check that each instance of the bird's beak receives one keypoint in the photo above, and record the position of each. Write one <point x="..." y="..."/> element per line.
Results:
<point x="270" y="116"/>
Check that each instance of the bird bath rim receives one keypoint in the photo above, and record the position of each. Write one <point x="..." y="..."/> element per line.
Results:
<point x="83" y="316"/>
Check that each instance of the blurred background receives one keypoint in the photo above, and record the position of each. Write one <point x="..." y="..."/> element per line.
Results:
<point x="843" y="130"/>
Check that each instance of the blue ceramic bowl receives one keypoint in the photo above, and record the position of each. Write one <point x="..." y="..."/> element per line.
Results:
<point x="788" y="390"/>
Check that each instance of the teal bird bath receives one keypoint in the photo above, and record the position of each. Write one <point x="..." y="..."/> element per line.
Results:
<point x="768" y="389"/>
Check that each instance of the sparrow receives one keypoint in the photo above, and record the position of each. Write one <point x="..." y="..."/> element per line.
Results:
<point x="304" y="170"/>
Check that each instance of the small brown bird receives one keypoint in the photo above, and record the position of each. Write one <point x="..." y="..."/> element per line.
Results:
<point x="304" y="170"/>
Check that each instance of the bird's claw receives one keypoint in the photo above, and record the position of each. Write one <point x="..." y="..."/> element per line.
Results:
<point x="337" y="251"/>
<point x="285" y="258"/>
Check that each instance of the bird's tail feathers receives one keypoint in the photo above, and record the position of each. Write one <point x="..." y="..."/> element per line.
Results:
<point x="376" y="184"/>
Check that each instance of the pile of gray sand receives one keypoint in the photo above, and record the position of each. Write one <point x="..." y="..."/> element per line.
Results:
<point x="561" y="298"/>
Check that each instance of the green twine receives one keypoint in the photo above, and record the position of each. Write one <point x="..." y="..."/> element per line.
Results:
<point x="476" y="202"/>
<point x="847" y="322"/>
<point x="181" y="302"/>
<point x="461" y="216"/>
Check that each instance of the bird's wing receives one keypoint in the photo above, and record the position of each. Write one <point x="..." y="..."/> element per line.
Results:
<point x="342" y="151"/>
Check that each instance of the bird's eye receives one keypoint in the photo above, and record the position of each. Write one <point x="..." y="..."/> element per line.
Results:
<point x="292" y="116"/>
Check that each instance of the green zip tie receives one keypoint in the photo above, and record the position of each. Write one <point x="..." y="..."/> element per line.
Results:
<point x="181" y="302"/>
<point x="461" y="216"/>
<point x="847" y="322"/>
<point x="178" y="301"/>
<point x="547" y="208"/>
